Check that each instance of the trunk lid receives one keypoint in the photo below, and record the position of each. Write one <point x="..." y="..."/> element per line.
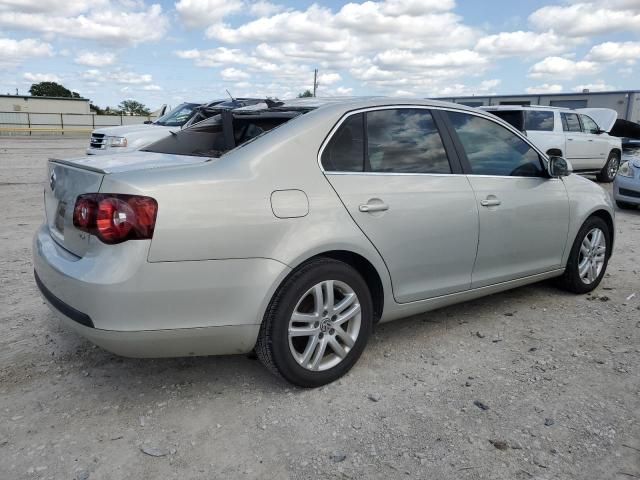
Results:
<point x="64" y="184"/>
<point x="66" y="179"/>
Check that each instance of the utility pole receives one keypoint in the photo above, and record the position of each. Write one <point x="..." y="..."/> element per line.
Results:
<point x="315" y="81"/>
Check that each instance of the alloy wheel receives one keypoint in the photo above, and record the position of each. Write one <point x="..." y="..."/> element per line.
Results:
<point x="324" y="325"/>
<point x="614" y="165"/>
<point x="593" y="251"/>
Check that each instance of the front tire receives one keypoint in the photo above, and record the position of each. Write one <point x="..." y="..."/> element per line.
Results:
<point x="588" y="258"/>
<point x="610" y="169"/>
<point x="317" y="324"/>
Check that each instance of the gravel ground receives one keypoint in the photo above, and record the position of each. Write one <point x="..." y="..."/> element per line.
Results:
<point x="532" y="383"/>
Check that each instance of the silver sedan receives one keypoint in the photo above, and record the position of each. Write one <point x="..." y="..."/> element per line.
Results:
<point x="292" y="228"/>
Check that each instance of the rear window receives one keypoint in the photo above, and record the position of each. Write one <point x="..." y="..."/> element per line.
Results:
<point x="539" y="120"/>
<point x="514" y="117"/>
<point x="207" y="138"/>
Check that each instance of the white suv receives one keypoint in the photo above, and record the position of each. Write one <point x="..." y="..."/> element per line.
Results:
<point x="572" y="134"/>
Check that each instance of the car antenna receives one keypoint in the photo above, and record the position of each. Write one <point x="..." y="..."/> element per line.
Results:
<point x="230" y="96"/>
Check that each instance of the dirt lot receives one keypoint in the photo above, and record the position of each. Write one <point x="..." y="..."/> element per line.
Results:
<point x="557" y="373"/>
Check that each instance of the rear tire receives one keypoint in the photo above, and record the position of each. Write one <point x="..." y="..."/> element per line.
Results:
<point x="625" y="205"/>
<point x="589" y="257"/>
<point x="317" y="324"/>
<point x="610" y="169"/>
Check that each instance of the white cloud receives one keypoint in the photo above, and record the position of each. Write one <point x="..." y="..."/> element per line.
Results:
<point x="130" y="78"/>
<point x="559" y="67"/>
<point x="519" y="43"/>
<point x="386" y="45"/>
<point x="118" y="76"/>
<point x="200" y="13"/>
<point x="111" y="24"/>
<point x="233" y="74"/>
<point x="262" y="8"/>
<point x="152" y="88"/>
<point x="41" y="77"/>
<point x="329" y="78"/>
<point x="341" y="91"/>
<point x="599" y="86"/>
<point x="14" y="52"/>
<point x="95" y="59"/>
<point x="628" y="52"/>
<point x="585" y="19"/>
<point x="545" y="88"/>
<point x="66" y="7"/>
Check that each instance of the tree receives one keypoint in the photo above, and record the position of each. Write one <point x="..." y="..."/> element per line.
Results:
<point x="51" y="89"/>
<point x="305" y="94"/>
<point x="132" y="107"/>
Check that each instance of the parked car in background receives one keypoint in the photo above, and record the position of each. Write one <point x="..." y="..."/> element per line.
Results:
<point x="626" y="186"/>
<point x="292" y="228"/>
<point x="128" y="138"/>
<point x="572" y="134"/>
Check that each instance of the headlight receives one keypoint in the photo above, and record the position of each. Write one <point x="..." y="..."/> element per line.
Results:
<point x="626" y="170"/>
<point x="117" y="142"/>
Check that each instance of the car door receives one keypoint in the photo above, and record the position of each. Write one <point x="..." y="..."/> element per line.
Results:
<point x="598" y="145"/>
<point x="578" y="150"/>
<point x="524" y="214"/>
<point x="406" y="192"/>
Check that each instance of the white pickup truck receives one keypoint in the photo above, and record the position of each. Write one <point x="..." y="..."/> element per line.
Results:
<point x="126" y="138"/>
<point x="580" y="136"/>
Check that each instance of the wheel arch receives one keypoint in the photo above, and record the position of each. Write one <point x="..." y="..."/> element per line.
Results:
<point x="359" y="262"/>
<point x="608" y="219"/>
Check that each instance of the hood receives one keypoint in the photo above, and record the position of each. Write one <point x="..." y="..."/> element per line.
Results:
<point x="604" y="117"/>
<point x="124" y="130"/>
<point x="127" y="162"/>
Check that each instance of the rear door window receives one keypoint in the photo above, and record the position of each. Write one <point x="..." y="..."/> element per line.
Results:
<point x="404" y="140"/>
<point x="570" y="122"/>
<point x="539" y="120"/>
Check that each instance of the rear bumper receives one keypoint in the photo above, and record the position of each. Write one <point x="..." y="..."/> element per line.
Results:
<point x="626" y="189"/>
<point x="138" y="308"/>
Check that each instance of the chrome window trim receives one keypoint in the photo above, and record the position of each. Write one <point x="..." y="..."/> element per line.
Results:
<point x="479" y="113"/>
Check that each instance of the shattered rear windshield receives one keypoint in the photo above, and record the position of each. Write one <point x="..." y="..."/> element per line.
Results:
<point x="221" y="133"/>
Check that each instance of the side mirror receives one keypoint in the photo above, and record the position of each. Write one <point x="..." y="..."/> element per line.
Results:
<point x="147" y="122"/>
<point x="600" y="131"/>
<point x="559" y="167"/>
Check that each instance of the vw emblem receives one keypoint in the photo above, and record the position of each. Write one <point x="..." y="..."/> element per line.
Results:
<point x="52" y="180"/>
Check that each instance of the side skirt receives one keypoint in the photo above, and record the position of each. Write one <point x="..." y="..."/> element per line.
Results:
<point x="413" y="308"/>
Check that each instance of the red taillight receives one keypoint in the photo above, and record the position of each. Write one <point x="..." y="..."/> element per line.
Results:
<point x="115" y="218"/>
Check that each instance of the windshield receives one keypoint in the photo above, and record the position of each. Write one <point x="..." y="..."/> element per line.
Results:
<point x="178" y="116"/>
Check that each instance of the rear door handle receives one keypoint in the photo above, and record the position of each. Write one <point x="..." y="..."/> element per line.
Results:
<point x="373" y="207"/>
<point x="490" y="202"/>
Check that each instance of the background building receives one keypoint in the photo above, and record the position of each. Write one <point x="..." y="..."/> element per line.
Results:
<point x="26" y="103"/>
<point x="625" y="102"/>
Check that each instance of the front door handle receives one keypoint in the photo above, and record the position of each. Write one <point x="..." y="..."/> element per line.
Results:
<point x="490" y="201"/>
<point x="373" y="207"/>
